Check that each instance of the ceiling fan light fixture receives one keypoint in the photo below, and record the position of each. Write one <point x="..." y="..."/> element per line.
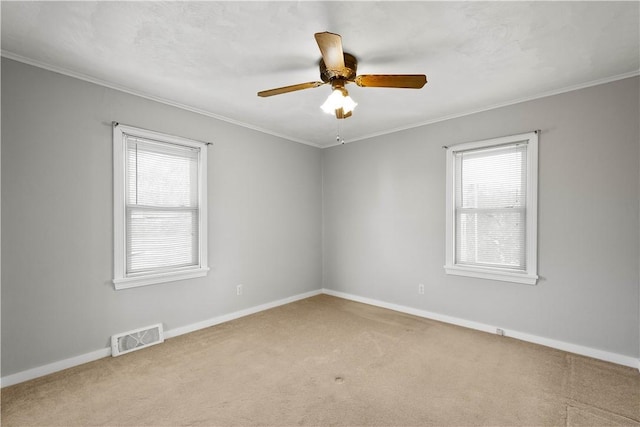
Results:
<point x="339" y="99"/>
<point x="348" y="105"/>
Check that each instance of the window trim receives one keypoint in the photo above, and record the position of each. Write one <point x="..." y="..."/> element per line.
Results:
<point x="529" y="276"/>
<point x="120" y="278"/>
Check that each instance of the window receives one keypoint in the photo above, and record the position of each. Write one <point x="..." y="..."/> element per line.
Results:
<point x="160" y="207"/>
<point x="492" y="209"/>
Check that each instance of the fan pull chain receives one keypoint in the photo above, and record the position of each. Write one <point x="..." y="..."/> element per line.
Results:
<point x="339" y="140"/>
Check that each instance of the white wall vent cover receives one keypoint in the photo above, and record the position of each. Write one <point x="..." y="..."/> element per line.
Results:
<point x="136" y="339"/>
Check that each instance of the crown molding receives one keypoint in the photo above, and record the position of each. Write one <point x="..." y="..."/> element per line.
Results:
<point x="84" y="77"/>
<point x="496" y="106"/>
<point x="99" y="82"/>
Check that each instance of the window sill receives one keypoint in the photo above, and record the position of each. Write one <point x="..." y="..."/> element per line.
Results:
<point x="492" y="274"/>
<point x="152" y="279"/>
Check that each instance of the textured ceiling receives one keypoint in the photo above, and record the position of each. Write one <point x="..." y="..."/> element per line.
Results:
<point x="213" y="57"/>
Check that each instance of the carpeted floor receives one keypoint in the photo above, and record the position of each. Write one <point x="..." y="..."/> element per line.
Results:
<point x="328" y="361"/>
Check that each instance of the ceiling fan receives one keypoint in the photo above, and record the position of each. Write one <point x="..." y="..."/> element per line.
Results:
<point x="339" y="68"/>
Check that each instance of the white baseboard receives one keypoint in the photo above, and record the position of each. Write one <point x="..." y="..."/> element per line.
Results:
<point x="60" y="365"/>
<point x="105" y="352"/>
<point x="50" y="368"/>
<point x="548" y="342"/>
<point x="237" y="314"/>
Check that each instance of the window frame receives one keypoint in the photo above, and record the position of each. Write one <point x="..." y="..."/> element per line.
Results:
<point x="529" y="275"/>
<point x="121" y="279"/>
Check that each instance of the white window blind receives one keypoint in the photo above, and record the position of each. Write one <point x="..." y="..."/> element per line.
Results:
<point x="491" y="207"/>
<point x="162" y="206"/>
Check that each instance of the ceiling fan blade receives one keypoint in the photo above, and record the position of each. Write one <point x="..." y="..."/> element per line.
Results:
<point x="407" y="81"/>
<point x="287" y="89"/>
<point x="330" y="45"/>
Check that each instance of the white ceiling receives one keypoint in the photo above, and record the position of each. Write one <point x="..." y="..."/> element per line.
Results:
<point x="213" y="57"/>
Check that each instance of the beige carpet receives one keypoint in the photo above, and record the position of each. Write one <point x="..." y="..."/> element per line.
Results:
<point x="327" y="361"/>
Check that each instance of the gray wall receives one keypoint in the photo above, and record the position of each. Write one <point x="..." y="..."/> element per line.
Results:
<point x="383" y="231"/>
<point x="57" y="247"/>
<point x="384" y="219"/>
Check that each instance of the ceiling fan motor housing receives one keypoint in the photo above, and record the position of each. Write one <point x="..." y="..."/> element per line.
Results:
<point x="347" y="73"/>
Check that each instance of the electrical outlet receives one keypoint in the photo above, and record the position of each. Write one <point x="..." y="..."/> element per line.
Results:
<point x="239" y="290"/>
<point x="421" y="289"/>
<point x="500" y="332"/>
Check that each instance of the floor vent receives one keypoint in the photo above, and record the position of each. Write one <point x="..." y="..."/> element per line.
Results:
<point x="136" y="339"/>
